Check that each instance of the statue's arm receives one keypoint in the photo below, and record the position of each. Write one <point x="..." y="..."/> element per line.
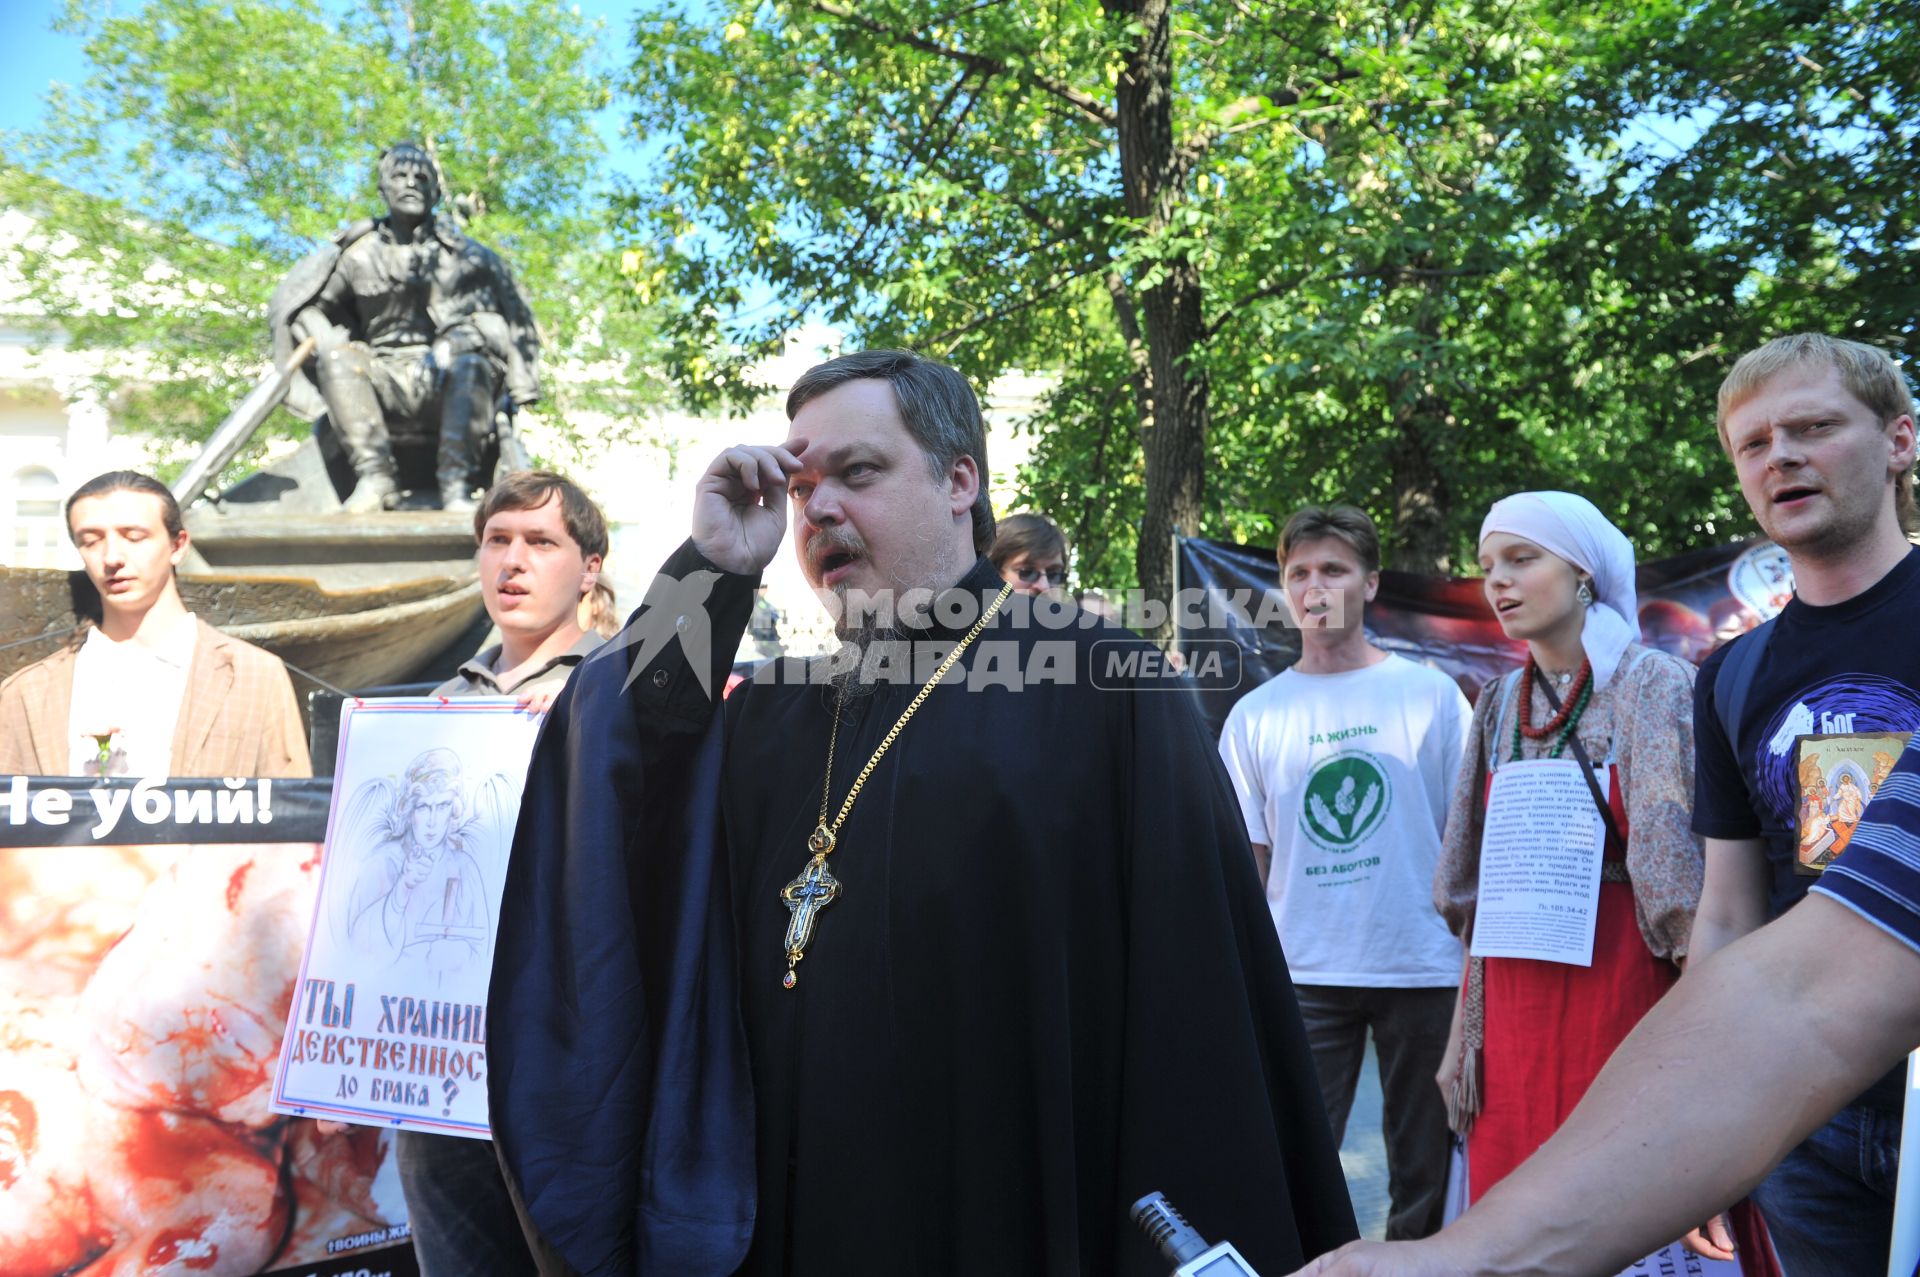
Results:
<point x="314" y="322"/>
<point x="329" y="317"/>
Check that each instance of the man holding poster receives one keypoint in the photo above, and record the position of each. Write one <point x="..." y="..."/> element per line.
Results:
<point x="541" y="543"/>
<point x="414" y="895"/>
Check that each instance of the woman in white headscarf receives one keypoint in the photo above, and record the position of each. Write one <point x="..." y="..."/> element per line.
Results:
<point x="1529" y="1036"/>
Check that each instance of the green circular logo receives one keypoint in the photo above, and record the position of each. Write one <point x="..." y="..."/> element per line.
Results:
<point x="1347" y="798"/>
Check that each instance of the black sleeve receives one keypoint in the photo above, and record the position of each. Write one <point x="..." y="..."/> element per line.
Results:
<point x="683" y="637"/>
<point x="617" y="1074"/>
<point x="1221" y="1106"/>
<point x="1722" y="804"/>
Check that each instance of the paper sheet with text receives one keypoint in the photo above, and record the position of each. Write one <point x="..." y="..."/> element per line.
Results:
<point x="1540" y="858"/>
<point x="1677" y="1261"/>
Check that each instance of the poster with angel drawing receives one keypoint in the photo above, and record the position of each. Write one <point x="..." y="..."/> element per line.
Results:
<point x="388" y="1023"/>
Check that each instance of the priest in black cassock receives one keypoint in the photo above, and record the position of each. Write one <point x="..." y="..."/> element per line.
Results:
<point x="984" y="951"/>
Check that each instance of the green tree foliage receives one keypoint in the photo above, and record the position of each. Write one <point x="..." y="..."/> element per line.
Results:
<point x="214" y="143"/>
<point x="1414" y="255"/>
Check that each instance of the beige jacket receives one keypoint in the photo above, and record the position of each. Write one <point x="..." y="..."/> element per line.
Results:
<point x="238" y="716"/>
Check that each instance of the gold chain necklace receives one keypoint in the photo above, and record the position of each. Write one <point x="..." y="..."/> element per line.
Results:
<point x="816" y="888"/>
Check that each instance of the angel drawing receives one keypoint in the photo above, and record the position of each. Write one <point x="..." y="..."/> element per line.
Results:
<point x="416" y="894"/>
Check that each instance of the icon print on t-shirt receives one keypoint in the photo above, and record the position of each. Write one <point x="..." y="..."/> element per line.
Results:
<point x="1855" y="703"/>
<point x="1838" y="776"/>
<point x="1347" y="797"/>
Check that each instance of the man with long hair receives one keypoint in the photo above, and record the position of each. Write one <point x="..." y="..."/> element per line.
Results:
<point x="146" y="688"/>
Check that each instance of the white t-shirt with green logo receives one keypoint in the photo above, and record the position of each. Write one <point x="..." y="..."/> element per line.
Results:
<point x="1346" y="777"/>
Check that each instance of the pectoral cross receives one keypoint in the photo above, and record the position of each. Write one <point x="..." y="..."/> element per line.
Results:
<point x="805" y="897"/>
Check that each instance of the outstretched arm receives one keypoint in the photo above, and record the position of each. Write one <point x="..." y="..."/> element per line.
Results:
<point x="1754" y="1049"/>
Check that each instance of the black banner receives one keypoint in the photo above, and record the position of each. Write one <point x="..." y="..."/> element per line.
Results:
<point x="1689" y="605"/>
<point x="67" y="811"/>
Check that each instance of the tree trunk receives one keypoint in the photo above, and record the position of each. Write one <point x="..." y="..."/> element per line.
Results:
<point x="1420" y="494"/>
<point x="1420" y="497"/>
<point x="1153" y="181"/>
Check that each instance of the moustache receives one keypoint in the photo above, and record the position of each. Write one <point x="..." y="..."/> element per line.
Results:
<point x="830" y="541"/>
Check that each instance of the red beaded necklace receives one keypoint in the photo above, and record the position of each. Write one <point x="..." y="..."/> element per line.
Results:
<point x="1567" y="702"/>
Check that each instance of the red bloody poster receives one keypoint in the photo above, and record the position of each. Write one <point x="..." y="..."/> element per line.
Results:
<point x="150" y="937"/>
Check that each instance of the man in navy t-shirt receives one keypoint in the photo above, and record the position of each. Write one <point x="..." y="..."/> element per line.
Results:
<point x="1821" y="432"/>
<point x="1752" y="1051"/>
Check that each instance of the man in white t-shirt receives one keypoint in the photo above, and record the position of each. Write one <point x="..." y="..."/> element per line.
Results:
<point x="1344" y="764"/>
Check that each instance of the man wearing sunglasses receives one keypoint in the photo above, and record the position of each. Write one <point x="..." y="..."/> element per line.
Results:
<point x="1030" y="553"/>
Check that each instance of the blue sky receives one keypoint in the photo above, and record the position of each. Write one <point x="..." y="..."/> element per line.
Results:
<point x="33" y="56"/>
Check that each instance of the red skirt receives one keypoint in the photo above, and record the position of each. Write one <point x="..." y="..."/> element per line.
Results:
<point x="1549" y="1029"/>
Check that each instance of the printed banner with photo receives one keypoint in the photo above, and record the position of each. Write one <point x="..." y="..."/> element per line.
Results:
<point x="389" y="1019"/>
<point x="1689" y="605"/>
<point x="150" y="934"/>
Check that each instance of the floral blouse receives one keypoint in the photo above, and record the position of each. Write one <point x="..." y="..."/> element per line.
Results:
<point x="1643" y="720"/>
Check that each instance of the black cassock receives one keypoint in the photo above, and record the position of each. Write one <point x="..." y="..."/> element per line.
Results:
<point x="1048" y="986"/>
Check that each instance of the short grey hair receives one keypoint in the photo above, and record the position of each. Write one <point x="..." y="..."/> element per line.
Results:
<point x="936" y="403"/>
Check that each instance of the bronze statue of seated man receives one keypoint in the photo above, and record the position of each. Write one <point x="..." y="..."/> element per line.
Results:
<point x="419" y="331"/>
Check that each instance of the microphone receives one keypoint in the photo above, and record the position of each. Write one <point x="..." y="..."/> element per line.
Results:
<point x="1184" y="1248"/>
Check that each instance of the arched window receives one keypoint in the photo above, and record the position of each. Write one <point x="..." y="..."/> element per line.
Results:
<point x="34" y="510"/>
<point x="36" y="493"/>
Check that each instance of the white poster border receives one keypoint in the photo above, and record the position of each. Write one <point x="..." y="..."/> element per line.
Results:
<point x="364" y="1030"/>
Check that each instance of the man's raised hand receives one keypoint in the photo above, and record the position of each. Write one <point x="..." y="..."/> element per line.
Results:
<point x="739" y="506"/>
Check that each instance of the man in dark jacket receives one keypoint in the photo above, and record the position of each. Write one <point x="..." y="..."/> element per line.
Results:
<point x="1003" y="964"/>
